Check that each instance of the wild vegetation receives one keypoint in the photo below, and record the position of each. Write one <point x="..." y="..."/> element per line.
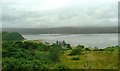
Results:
<point x="35" y="55"/>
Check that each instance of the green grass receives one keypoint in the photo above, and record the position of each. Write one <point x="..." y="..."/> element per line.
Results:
<point x="51" y="59"/>
<point x="92" y="60"/>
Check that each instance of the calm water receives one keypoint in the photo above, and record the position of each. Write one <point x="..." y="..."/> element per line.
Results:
<point x="89" y="40"/>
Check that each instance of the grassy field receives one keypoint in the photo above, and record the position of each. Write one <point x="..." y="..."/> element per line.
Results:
<point x="92" y="60"/>
<point x="87" y="59"/>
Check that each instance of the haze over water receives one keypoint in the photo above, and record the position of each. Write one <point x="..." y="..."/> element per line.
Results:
<point x="88" y="40"/>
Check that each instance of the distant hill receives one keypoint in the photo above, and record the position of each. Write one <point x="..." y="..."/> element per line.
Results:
<point x="11" y="36"/>
<point x="64" y="30"/>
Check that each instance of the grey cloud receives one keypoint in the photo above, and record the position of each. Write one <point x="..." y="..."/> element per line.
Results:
<point x="77" y="17"/>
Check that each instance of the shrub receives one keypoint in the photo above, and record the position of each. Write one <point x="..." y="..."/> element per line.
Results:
<point x="16" y="56"/>
<point x="6" y="44"/>
<point x="21" y="63"/>
<point x="109" y="49"/>
<point x="43" y="47"/>
<point x="101" y="49"/>
<point x="75" y="58"/>
<point x="18" y="44"/>
<point x="68" y="46"/>
<point x="80" y="47"/>
<point x="54" y="54"/>
<point x="87" y="49"/>
<point x="75" y="52"/>
<point x="12" y="63"/>
<point x="27" y="45"/>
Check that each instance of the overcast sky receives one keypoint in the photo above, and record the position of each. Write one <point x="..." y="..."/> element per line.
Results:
<point x="59" y="13"/>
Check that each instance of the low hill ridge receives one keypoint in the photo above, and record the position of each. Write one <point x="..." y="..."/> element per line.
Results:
<point x="11" y="36"/>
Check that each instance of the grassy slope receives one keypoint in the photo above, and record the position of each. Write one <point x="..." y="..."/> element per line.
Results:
<point x="88" y="60"/>
<point x="92" y="60"/>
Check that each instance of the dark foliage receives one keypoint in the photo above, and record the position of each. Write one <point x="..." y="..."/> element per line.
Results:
<point x="55" y="54"/>
<point x="75" y="58"/>
<point x="76" y="51"/>
<point x="80" y="47"/>
<point x="87" y="49"/>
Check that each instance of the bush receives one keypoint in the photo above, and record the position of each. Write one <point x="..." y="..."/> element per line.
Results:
<point x="54" y="54"/>
<point x="6" y="44"/>
<point x="109" y="49"/>
<point x="43" y="47"/>
<point x="101" y="49"/>
<point x="21" y="63"/>
<point x="12" y="63"/>
<point x="16" y="56"/>
<point x="29" y="45"/>
<point x="8" y="49"/>
<point x="80" y="47"/>
<point x="87" y="49"/>
<point x="75" y="52"/>
<point x="68" y="46"/>
<point x="75" y="58"/>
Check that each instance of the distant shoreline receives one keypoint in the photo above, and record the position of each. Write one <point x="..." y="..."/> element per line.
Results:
<point x="64" y="30"/>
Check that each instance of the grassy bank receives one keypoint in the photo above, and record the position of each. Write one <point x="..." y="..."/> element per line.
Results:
<point x="36" y="55"/>
<point x="92" y="60"/>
